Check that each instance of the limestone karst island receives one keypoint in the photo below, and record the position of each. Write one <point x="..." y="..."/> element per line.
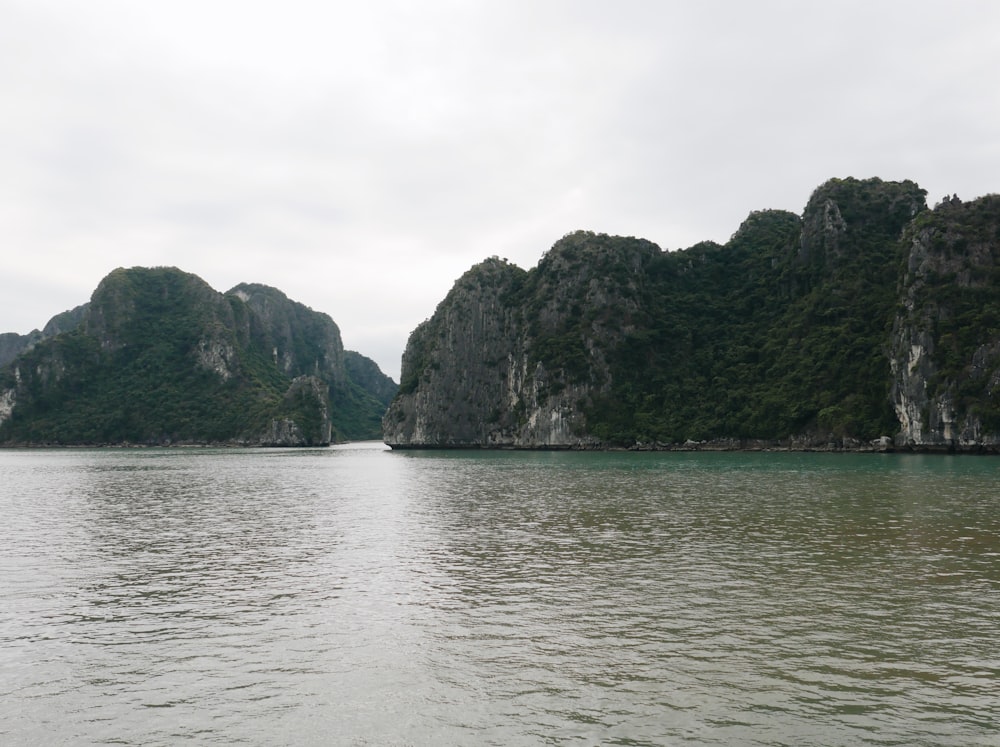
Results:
<point x="869" y="322"/>
<point x="158" y="357"/>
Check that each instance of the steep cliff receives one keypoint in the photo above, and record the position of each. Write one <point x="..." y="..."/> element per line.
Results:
<point x="788" y="333"/>
<point x="304" y="342"/>
<point x="513" y="359"/>
<point x="158" y="356"/>
<point x="301" y="342"/>
<point x="946" y="334"/>
<point x="464" y="371"/>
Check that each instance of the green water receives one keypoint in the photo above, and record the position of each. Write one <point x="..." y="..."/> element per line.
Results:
<point x="360" y="596"/>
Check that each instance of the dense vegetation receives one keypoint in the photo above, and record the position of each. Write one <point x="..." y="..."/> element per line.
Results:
<point x="792" y="328"/>
<point x="160" y="357"/>
<point x="780" y="331"/>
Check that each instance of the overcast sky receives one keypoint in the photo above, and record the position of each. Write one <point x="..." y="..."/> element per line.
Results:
<point x="361" y="156"/>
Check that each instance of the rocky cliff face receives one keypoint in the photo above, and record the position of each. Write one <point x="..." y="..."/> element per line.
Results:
<point x="302" y="342"/>
<point x="868" y="317"/>
<point x="946" y="335"/>
<point x="158" y="356"/>
<point x="510" y="359"/>
<point x="465" y="372"/>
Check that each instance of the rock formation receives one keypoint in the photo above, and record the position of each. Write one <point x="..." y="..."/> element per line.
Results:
<point x="945" y="351"/>
<point x="159" y="357"/>
<point x="870" y="322"/>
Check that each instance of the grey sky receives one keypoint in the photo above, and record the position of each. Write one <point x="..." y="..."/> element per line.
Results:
<point x="361" y="156"/>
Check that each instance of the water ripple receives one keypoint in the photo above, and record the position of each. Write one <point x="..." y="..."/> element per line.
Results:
<point x="357" y="596"/>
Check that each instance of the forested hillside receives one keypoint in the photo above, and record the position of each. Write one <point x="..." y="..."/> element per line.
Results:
<point x="159" y="357"/>
<point x="790" y="332"/>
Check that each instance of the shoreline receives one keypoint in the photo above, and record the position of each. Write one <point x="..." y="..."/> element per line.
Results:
<point x="883" y="445"/>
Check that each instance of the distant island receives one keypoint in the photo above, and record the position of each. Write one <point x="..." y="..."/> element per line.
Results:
<point x="158" y="357"/>
<point x="870" y="322"/>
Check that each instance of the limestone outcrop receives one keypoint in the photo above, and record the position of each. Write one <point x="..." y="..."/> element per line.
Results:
<point x="157" y="356"/>
<point x="945" y="352"/>
<point x="871" y="323"/>
<point x="502" y="363"/>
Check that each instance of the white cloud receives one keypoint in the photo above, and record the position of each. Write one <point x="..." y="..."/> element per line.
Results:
<point x="360" y="157"/>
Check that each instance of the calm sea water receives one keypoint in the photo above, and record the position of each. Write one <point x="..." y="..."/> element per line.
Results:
<point x="357" y="596"/>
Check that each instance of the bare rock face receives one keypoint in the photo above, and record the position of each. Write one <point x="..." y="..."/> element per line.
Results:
<point x="945" y="353"/>
<point x="462" y="371"/>
<point x="508" y="359"/>
<point x="302" y="342"/>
